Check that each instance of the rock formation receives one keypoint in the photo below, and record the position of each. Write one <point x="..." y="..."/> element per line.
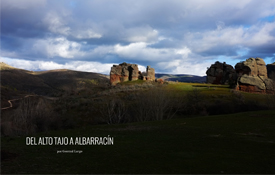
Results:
<point x="252" y="76"/>
<point x="159" y="80"/>
<point x="271" y="71"/>
<point x="150" y="74"/>
<point x="221" y="73"/>
<point x="252" y="67"/>
<point x="130" y="72"/>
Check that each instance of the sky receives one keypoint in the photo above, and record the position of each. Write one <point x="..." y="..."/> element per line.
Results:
<point x="172" y="36"/>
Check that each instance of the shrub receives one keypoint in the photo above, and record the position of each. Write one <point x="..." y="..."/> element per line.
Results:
<point x="34" y="114"/>
<point x="195" y="102"/>
<point x="153" y="104"/>
<point x="270" y="101"/>
<point x="220" y="106"/>
<point x="114" y="111"/>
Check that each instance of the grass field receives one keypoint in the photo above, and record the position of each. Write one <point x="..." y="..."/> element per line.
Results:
<point x="235" y="143"/>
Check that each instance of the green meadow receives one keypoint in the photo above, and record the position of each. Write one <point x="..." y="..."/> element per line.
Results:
<point x="235" y="143"/>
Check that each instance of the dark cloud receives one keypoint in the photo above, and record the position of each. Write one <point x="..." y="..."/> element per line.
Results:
<point x="267" y="50"/>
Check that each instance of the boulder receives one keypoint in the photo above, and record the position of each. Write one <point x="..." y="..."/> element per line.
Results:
<point x="252" y="67"/>
<point x="269" y="84"/>
<point x="221" y="73"/>
<point x="252" y="80"/>
<point x="261" y="67"/>
<point x="159" y="80"/>
<point x="252" y="76"/>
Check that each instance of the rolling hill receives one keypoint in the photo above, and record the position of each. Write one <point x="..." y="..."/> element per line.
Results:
<point x="182" y="78"/>
<point x="48" y="83"/>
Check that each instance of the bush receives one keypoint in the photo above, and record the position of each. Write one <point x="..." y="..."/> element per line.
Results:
<point x="220" y="106"/>
<point x="114" y="111"/>
<point x="34" y="114"/>
<point x="195" y="103"/>
<point x="154" y="104"/>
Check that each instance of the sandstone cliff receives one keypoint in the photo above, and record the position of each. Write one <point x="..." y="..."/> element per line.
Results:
<point x="252" y="76"/>
<point x="129" y="72"/>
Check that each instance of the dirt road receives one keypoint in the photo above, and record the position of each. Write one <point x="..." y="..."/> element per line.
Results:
<point x="11" y="101"/>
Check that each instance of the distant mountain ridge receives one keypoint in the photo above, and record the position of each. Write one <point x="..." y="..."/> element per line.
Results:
<point x="182" y="78"/>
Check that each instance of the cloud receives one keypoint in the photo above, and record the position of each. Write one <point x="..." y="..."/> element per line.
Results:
<point x="184" y="67"/>
<point x="163" y="33"/>
<point x="220" y="25"/>
<point x="49" y="65"/>
<point x="25" y="4"/>
<point x="86" y="34"/>
<point x="58" y="47"/>
<point x="227" y="40"/>
<point x="141" y="34"/>
<point x="56" y="24"/>
<point x="86" y="66"/>
<point x="143" y="51"/>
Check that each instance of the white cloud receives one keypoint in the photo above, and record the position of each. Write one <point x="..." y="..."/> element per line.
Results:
<point x="56" y="24"/>
<point x="132" y="50"/>
<point x="143" y="51"/>
<point x="142" y="68"/>
<point x="84" y="66"/>
<point x="260" y="35"/>
<point x="85" y="34"/>
<point x="256" y="35"/>
<point x="19" y="63"/>
<point x="61" y="47"/>
<point x="220" y="25"/>
<point x="184" y="67"/>
<point x="141" y="34"/>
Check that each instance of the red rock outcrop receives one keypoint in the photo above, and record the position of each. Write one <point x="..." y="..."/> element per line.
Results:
<point x="252" y="76"/>
<point x="129" y="72"/>
<point x="221" y="73"/>
<point x="150" y="74"/>
<point x="249" y="88"/>
<point x="160" y="81"/>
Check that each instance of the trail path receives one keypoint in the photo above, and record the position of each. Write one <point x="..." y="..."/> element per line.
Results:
<point x="11" y="105"/>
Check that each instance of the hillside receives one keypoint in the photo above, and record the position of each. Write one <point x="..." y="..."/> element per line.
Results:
<point x="49" y="83"/>
<point x="71" y="80"/>
<point x="22" y="80"/>
<point x="4" y="66"/>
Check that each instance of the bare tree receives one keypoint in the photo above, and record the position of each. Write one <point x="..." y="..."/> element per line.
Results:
<point x="114" y="111"/>
<point x="32" y="115"/>
<point x="155" y="104"/>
